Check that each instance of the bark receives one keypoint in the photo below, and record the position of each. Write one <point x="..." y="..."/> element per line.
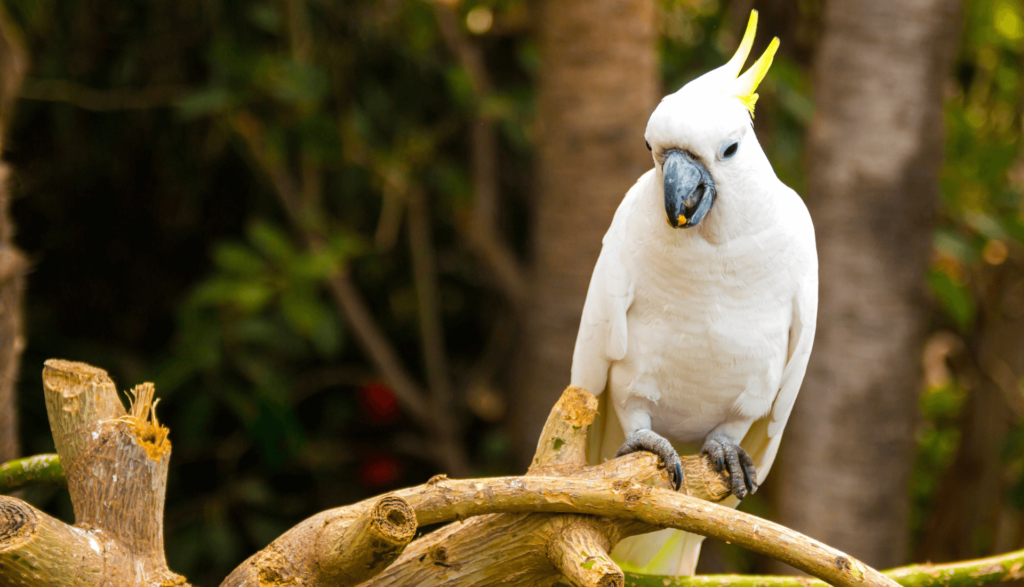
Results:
<point x="12" y="263"/>
<point x="598" y="86"/>
<point x="874" y="152"/>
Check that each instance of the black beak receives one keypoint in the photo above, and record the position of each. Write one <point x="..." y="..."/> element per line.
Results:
<point x="689" y="190"/>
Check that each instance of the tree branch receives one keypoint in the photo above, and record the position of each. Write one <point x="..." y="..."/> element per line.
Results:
<point x="479" y="227"/>
<point x="86" y="98"/>
<point x="973" y="573"/>
<point x="347" y="297"/>
<point x="31" y="471"/>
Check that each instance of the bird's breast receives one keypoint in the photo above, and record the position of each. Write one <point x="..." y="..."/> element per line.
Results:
<point x="708" y="338"/>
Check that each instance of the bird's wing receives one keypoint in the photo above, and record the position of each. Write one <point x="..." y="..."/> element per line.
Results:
<point x="762" y="440"/>
<point x="603" y="335"/>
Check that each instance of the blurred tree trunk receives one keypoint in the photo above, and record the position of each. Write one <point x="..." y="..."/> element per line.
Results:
<point x="874" y="152"/>
<point x="970" y="517"/>
<point x="12" y="262"/>
<point x="599" y="83"/>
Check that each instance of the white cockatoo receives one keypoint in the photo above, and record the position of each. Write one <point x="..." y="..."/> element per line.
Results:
<point x="698" y="330"/>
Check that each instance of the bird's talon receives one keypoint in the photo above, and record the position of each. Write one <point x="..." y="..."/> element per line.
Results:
<point x="727" y="455"/>
<point x="651" y="441"/>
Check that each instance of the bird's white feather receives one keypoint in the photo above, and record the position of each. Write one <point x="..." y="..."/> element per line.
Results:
<point x="702" y="329"/>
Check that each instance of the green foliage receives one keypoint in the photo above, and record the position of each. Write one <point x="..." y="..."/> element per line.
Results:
<point x="164" y="254"/>
<point x="983" y="177"/>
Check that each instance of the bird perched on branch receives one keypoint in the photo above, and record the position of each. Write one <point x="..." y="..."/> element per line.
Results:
<point x="701" y="310"/>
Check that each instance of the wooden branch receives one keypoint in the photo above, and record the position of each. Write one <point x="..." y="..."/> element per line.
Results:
<point x="431" y="332"/>
<point x="116" y="467"/>
<point x="31" y="471"/>
<point x="580" y="552"/>
<point x="561" y="445"/>
<point x="38" y="551"/>
<point x="445" y="500"/>
<point x="100" y="100"/>
<point x="973" y="573"/>
<point x="339" y="547"/>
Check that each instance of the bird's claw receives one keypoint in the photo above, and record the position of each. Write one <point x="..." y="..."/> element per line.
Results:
<point x="727" y="454"/>
<point x="651" y="441"/>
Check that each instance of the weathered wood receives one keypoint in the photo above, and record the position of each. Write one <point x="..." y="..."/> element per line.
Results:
<point x="339" y="547"/>
<point x="580" y="552"/>
<point x="116" y="468"/>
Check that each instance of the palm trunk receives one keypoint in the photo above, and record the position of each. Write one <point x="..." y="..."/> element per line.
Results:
<point x="598" y="86"/>
<point x="874" y="153"/>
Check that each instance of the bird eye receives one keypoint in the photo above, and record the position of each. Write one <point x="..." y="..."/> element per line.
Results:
<point x="648" y="144"/>
<point x="729" y="149"/>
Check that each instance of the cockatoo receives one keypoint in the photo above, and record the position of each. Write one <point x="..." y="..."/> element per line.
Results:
<point x="701" y="311"/>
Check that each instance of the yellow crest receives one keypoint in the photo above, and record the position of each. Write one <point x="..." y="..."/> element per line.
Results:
<point x="744" y="86"/>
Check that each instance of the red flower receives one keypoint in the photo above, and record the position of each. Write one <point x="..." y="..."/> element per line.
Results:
<point x="378" y="402"/>
<point x="379" y="470"/>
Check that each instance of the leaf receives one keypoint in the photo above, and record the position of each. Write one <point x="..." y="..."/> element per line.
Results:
<point x="206" y="101"/>
<point x="956" y="300"/>
<point x="271" y="241"/>
<point x="327" y="336"/>
<point x="265" y="17"/>
<point x="246" y="296"/>
<point x="313" y="266"/>
<point x="303" y="310"/>
<point x="238" y="259"/>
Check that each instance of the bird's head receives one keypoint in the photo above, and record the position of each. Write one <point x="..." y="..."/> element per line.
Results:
<point x="704" y="132"/>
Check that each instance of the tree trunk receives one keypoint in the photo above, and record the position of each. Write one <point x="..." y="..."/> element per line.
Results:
<point x="598" y="86"/>
<point x="12" y="262"/>
<point x="874" y="153"/>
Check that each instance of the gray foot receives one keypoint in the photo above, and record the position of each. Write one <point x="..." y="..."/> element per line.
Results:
<point x="653" y="442"/>
<point x="727" y="454"/>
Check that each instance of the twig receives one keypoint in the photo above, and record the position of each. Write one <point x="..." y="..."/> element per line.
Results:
<point x="431" y="332"/>
<point x="479" y="227"/>
<point x="370" y="336"/>
<point x="86" y="98"/>
<point x="31" y="471"/>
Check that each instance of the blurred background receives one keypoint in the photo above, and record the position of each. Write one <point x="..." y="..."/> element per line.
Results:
<point x="349" y="240"/>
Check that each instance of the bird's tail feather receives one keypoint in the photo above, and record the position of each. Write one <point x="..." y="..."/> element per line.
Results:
<point x="665" y="552"/>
